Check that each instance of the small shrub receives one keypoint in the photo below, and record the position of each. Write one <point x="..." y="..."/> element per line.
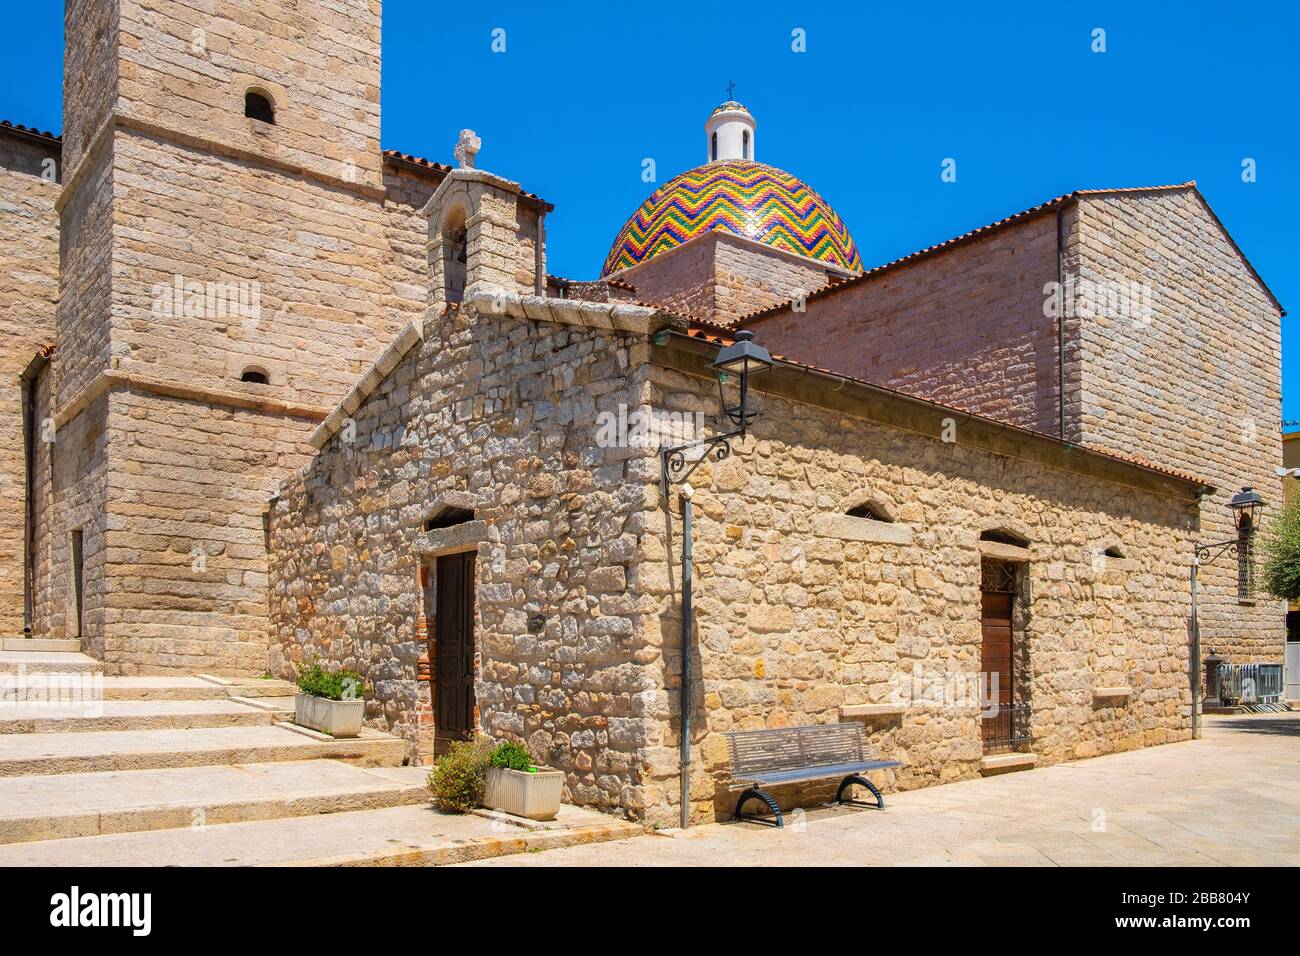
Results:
<point x="460" y="776"/>
<point x="1280" y="548"/>
<point x="512" y="756"/>
<point x="333" y="685"/>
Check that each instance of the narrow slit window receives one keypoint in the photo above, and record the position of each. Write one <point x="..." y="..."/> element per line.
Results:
<point x="1004" y="537"/>
<point x="258" y="106"/>
<point x="869" y="511"/>
<point x="448" y="517"/>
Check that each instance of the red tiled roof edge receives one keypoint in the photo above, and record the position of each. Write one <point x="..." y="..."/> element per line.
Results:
<point x="1017" y="217"/>
<point x="31" y="132"/>
<point x="720" y="336"/>
<point x="419" y="163"/>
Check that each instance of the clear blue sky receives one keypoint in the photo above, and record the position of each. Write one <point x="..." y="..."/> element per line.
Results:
<point x="584" y="92"/>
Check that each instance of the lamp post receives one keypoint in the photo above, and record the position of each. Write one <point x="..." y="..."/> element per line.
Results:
<point x="742" y="359"/>
<point x="1246" y="506"/>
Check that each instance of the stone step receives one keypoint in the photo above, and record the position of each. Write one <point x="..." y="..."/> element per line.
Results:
<point x="64" y="806"/>
<point x="162" y="688"/>
<point x="126" y="715"/>
<point x="45" y="662"/>
<point x="50" y="753"/>
<point x="398" y="836"/>
<point x="179" y="687"/>
<point x="41" y="644"/>
<point x="253" y="686"/>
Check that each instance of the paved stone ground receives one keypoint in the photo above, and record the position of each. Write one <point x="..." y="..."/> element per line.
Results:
<point x="1232" y="798"/>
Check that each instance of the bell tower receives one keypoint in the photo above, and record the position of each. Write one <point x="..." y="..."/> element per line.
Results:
<point x="224" y="280"/>
<point x="729" y="132"/>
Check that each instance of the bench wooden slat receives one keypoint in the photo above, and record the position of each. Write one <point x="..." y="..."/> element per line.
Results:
<point x="819" y="773"/>
<point x="758" y="753"/>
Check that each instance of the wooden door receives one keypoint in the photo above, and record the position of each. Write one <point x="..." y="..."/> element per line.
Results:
<point x="453" y="677"/>
<point x="995" y="651"/>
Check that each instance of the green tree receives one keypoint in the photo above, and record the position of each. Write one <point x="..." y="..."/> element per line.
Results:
<point x="1280" y="549"/>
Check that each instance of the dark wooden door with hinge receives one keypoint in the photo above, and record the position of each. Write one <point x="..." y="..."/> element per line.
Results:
<point x="995" y="651"/>
<point x="453" y="676"/>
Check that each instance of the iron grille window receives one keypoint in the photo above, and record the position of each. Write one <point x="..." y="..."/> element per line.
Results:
<point x="1007" y="730"/>
<point x="997" y="576"/>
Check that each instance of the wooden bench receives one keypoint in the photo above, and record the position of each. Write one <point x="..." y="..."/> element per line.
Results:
<point x="796" y="754"/>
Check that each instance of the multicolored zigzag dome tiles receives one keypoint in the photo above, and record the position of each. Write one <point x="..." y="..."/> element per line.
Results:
<point x="744" y="198"/>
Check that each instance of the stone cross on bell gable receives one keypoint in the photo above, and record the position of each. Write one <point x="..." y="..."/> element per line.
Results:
<point x="467" y="148"/>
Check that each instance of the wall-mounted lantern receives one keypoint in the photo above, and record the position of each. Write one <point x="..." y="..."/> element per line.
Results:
<point x="1246" y="505"/>
<point x="741" y="359"/>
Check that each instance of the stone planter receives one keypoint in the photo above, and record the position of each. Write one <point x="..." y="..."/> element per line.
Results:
<point x="338" y="718"/>
<point x="535" y="796"/>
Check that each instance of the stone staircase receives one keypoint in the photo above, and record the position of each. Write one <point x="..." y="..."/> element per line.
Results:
<point x="200" y="756"/>
<point x="209" y="771"/>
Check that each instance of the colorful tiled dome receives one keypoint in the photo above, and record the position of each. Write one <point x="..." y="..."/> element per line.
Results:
<point x="748" y="199"/>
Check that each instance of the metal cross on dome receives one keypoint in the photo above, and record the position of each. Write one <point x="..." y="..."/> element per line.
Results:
<point x="731" y="86"/>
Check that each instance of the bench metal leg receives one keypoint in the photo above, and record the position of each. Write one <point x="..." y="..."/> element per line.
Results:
<point x="753" y="793"/>
<point x="862" y="781"/>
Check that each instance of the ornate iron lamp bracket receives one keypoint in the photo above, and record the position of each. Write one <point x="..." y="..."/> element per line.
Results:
<point x="1209" y="553"/>
<point x="676" y="466"/>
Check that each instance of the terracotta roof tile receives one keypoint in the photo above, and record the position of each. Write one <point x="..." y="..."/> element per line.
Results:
<point x="31" y="131"/>
<point x="416" y="160"/>
<point x="394" y="155"/>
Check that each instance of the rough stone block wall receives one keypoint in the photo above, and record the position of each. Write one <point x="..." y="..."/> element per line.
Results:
<point x="77" y="466"/>
<point x="750" y="277"/>
<point x="319" y="257"/>
<point x="186" y="65"/>
<point x="1196" y="384"/>
<point x="681" y="279"/>
<point x="719" y="278"/>
<point x="90" y="72"/>
<point x="85" y="276"/>
<point x="186" y="570"/>
<point x="505" y="410"/>
<point x="964" y="327"/>
<point x="801" y="609"/>
<point x="29" y="294"/>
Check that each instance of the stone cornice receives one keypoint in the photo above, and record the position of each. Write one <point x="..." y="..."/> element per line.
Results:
<point x="115" y="379"/>
<point x="118" y="120"/>
<point x="378" y="371"/>
<point x="606" y="316"/>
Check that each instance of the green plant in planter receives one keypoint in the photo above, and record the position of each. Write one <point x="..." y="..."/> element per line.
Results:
<point x="332" y="685"/>
<point x="512" y="756"/>
<point x="460" y="776"/>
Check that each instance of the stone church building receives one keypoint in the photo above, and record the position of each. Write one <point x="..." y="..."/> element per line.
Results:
<point x="278" y="395"/>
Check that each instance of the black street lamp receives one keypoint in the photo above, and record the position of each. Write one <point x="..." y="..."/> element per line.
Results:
<point x="742" y="358"/>
<point x="1247" y="505"/>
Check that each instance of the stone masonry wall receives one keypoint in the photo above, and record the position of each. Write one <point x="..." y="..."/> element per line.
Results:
<point x="802" y="609"/>
<point x="719" y="278"/>
<point x="1194" y="384"/>
<point x="964" y="327"/>
<point x="504" y="410"/>
<point x="186" y="64"/>
<point x="29" y="294"/>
